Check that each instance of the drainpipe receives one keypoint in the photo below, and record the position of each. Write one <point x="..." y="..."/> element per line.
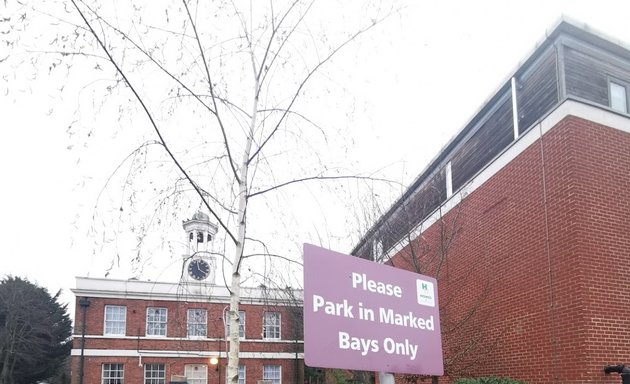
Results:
<point x="84" y="303"/>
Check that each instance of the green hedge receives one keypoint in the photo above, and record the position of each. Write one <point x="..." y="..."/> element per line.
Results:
<point x="488" y="380"/>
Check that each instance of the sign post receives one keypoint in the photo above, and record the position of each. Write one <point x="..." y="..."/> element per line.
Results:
<point x="367" y="316"/>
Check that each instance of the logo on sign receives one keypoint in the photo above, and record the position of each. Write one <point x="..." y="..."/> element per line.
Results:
<point x="426" y="293"/>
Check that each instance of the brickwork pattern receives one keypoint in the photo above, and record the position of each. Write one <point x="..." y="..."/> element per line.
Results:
<point x="533" y="284"/>
<point x="136" y="340"/>
<point x="291" y="370"/>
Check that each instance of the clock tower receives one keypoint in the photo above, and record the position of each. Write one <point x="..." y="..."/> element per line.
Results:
<point x="199" y="263"/>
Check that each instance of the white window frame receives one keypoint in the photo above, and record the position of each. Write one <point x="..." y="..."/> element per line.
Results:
<point x="198" y="325"/>
<point x="154" y="373"/>
<point x="272" y="330"/>
<point x="241" y="375"/>
<point x="196" y="373"/>
<point x="159" y="323"/>
<point x="241" y="325"/>
<point x="113" y="323"/>
<point x="112" y="373"/>
<point x="272" y="373"/>
<point x="626" y="88"/>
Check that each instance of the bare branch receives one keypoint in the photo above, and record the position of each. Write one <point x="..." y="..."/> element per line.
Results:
<point x="274" y="255"/>
<point x="115" y="171"/>
<point x="313" y="178"/>
<point x="263" y="66"/>
<point x="307" y="77"/>
<point x="212" y="94"/>
<point x="152" y="121"/>
<point x="68" y="53"/>
<point x="298" y="114"/>
<point x="152" y="59"/>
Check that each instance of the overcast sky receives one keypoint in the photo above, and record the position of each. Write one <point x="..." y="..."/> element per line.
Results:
<point x="428" y="71"/>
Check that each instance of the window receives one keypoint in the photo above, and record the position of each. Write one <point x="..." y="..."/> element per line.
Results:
<point x="115" y="319"/>
<point x="618" y="97"/>
<point x="272" y="373"/>
<point x="196" y="373"/>
<point x="197" y="323"/>
<point x="113" y="374"/>
<point x="241" y="325"/>
<point x="271" y="325"/>
<point x="154" y="374"/>
<point x="241" y="374"/>
<point x="156" y="321"/>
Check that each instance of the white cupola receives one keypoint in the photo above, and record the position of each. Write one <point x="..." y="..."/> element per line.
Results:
<point x="199" y="233"/>
<point x="199" y="263"/>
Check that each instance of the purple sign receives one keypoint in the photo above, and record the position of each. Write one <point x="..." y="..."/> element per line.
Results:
<point x="367" y="316"/>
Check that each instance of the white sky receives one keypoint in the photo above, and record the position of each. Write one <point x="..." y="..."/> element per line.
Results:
<point x="421" y="76"/>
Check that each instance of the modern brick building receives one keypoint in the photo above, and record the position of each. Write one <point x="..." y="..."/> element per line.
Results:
<point x="524" y="219"/>
<point x="130" y="331"/>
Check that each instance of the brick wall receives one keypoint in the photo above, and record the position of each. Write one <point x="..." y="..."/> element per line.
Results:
<point x="177" y="317"/>
<point x="134" y="372"/>
<point x="532" y="265"/>
<point x="135" y="340"/>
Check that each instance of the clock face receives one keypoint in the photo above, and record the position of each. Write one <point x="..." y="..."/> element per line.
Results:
<point x="198" y="269"/>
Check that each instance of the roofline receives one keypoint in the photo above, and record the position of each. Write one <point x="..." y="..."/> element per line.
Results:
<point x="193" y="291"/>
<point x="564" y="25"/>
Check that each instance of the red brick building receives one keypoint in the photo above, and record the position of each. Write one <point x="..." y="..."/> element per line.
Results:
<point x="524" y="219"/>
<point x="130" y="331"/>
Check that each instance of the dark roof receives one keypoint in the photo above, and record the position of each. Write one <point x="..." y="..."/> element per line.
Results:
<point x="563" y="28"/>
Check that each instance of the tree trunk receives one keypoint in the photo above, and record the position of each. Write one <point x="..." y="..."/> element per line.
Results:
<point x="235" y="295"/>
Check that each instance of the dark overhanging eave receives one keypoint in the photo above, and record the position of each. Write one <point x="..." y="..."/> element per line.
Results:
<point x="564" y="26"/>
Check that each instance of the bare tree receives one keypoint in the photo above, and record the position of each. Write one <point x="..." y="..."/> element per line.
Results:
<point x="231" y="76"/>
<point x="462" y="330"/>
<point x="404" y="241"/>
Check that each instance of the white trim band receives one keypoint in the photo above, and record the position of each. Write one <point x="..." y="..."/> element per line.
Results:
<point x="201" y="339"/>
<point x="182" y="354"/>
